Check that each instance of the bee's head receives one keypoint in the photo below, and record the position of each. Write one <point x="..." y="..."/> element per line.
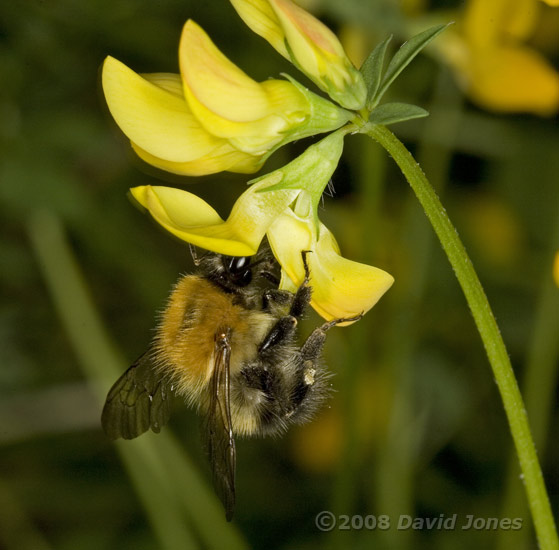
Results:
<point x="235" y="273"/>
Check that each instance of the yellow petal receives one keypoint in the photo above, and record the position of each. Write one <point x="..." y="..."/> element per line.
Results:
<point x="224" y="158"/>
<point x="556" y="268"/>
<point x="320" y="55"/>
<point x="190" y="219"/>
<point x="168" y="81"/>
<point x="490" y="22"/>
<point x="217" y="82"/>
<point x="512" y="79"/>
<point x="254" y="211"/>
<point x="304" y="30"/>
<point x="521" y="18"/>
<point x="287" y="108"/>
<point x="260" y="17"/>
<point x="281" y="20"/>
<point x="155" y="119"/>
<point x="344" y="288"/>
<point x="193" y="220"/>
<point x="229" y="104"/>
<point x="341" y="288"/>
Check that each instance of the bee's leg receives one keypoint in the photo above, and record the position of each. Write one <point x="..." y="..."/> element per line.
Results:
<point x="274" y="299"/>
<point x="275" y="405"/>
<point x="293" y="393"/>
<point x="283" y="329"/>
<point x="298" y="302"/>
<point x="303" y="295"/>
<point x="312" y="347"/>
<point x="311" y="375"/>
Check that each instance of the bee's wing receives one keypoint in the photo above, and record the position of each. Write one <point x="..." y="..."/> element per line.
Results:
<point x="139" y="400"/>
<point x="217" y="430"/>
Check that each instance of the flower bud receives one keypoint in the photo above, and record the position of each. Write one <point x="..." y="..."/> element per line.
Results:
<point x="308" y="44"/>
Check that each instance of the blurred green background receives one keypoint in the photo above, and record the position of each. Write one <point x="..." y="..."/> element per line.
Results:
<point x="415" y="426"/>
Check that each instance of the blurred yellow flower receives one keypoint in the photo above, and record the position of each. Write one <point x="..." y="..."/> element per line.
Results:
<point x="212" y="117"/>
<point x="308" y="44"/>
<point x="556" y="268"/>
<point x="494" y="229"/>
<point x="281" y="205"/>
<point x="496" y="66"/>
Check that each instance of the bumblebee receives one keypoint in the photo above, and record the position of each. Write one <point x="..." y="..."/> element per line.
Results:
<point x="226" y="344"/>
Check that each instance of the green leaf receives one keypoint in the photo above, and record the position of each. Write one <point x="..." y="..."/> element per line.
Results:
<point x="372" y="69"/>
<point x="404" y="56"/>
<point x="389" y="113"/>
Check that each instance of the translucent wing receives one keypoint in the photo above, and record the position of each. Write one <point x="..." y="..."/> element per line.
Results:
<point x="139" y="400"/>
<point x="217" y="429"/>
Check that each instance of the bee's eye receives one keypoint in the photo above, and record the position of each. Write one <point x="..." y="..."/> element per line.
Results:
<point x="237" y="264"/>
<point x="239" y="269"/>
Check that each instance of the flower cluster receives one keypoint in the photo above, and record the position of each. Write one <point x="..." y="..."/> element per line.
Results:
<point x="213" y="117"/>
<point x="497" y="65"/>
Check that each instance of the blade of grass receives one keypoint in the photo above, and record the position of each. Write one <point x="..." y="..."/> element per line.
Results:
<point x="539" y="389"/>
<point x="156" y="473"/>
<point x="17" y="531"/>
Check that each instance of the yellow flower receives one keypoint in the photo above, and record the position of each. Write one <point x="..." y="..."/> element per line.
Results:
<point x="556" y="268"/>
<point x="281" y="205"/>
<point x="193" y="220"/>
<point x="341" y="287"/>
<point x="212" y="117"/>
<point x="496" y="66"/>
<point x="308" y="44"/>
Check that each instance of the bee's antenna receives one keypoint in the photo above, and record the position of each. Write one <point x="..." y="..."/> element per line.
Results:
<point x="195" y="258"/>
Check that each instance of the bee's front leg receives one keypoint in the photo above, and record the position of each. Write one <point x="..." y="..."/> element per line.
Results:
<point x="298" y="302"/>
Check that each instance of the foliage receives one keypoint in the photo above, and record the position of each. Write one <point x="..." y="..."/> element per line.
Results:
<point x="415" y="425"/>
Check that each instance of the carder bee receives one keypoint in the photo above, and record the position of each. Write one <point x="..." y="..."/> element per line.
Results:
<point x="227" y="345"/>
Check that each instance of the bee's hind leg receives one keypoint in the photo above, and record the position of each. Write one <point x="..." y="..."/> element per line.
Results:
<point x="311" y="388"/>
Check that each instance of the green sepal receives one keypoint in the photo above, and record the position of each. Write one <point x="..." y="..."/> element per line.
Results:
<point x="352" y="97"/>
<point x="403" y="57"/>
<point x="310" y="172"/>
<point x="389" y="113"/>
<point x="372" y="70"/>
<point x="325" y="116"/>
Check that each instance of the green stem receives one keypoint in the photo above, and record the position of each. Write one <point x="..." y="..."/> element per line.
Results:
<point x="487" y="326"/>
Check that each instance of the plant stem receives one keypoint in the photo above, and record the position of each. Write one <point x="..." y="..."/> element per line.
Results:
<point x="489" y="331"/>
